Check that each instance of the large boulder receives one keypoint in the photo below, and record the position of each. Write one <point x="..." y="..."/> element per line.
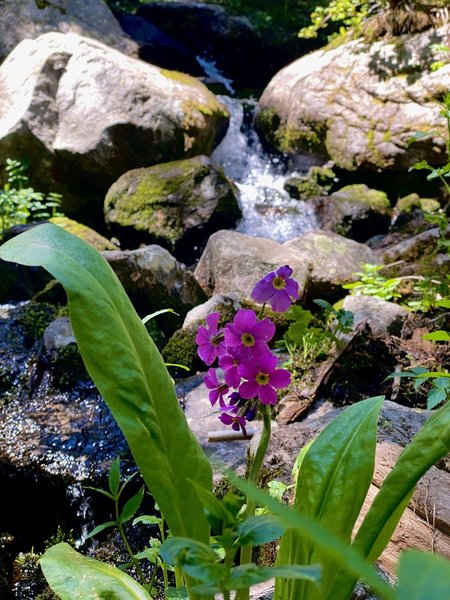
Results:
<point x="321" y="261"/>
<point x="154" y="280"/>
<point x="83" y="114"/>
<point x="176" y="204"/>
<point x="28" y="19"/>
<point x="359" y="104"/>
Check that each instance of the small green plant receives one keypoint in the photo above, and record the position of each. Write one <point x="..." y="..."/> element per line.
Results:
<point x="311" y="337"/>
<point x="372" y="283"/>
<point x="19" y="203"/>
<point x="124" y="515"/>
<point x="347" y="14"/>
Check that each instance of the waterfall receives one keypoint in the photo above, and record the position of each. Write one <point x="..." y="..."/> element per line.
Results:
<point x="267" y="209"/>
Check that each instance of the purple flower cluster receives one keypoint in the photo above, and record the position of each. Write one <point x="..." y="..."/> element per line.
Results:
<point x="242" y="351"/>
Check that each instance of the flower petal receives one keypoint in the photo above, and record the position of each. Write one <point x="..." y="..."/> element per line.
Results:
<point x="280" y="301"/>
<point x="280" y="378"/>
<point x="267" y="395"/>
<point x="249" y="389"/>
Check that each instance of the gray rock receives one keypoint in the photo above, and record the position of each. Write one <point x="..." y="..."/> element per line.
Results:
<point x="61" y="107"/>
<point x="28" y="19"/>
<point x="218" y="303"/>
<point x="235" y="262"/>
<point x="359" y="104"/>
<point x="321" y="261"/>
<point x="58" y="335"/>
<point x="383" y="317"/>
<point x="176" y="204"/>
<point x="154" y="280"/>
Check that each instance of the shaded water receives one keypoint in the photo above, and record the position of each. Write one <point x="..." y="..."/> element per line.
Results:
<point x="268" y="210"/>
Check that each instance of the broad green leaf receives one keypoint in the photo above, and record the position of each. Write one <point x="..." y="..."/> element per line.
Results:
<point x="127" y="369"/>
<point x="431" y="443"/>
<point x="333" y="548"/>
<point x="437" y="336"/>
<point x="73" y="576"/>
<point x="131" y="506"/>
<point x="114" y="477"/>
<point x="444" y="303"/>
<point x="423" y="576"/>
<point x="257" y="530"/>
<point x="335" y="475"/>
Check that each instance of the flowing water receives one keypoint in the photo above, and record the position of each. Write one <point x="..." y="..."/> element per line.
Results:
<point x="268" y="210"/>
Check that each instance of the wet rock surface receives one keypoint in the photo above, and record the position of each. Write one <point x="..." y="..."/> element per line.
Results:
<point x="177" y="205"/>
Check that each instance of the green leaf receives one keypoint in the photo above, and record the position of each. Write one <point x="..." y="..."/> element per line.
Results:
<point x="431" y="443"/>
<point x="176" y="593"/>
<point x="257" y="530"/>
<point x="423" y="576"/>
<point x="244" y="576"/>
<point x="437" y="336"/>
<point x="114" y="477"/>
<point x="332" y="484"/>
<point x="72" y="576"/>
<point x="130" y="508"/>
<point x="196" y="559"/>
<point x="127" y="369"/>
<point x="333" y="548"/>
<point x="444" y="303"/>
<point x="216" y="511"/>
<point x="439" y="392"/>
<point x="101" y="528"/>
<point x="147" y="520"/>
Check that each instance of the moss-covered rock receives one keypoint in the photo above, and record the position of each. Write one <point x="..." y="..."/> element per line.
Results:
<point x="319" y="181"/>
<point x="355" y="211"/>
<point x="176" y="205"/>
<point x="412" y="201"/>
<point x="87" y="234"/>
<point x="358" y="104"/>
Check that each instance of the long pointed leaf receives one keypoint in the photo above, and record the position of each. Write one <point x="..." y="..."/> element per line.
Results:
<point x="72" y="576"/>
<point x="431" y="443"/>
<point x="334" y="477"/>
<point x="423" y="576"/>
<point x="128" y="371"/>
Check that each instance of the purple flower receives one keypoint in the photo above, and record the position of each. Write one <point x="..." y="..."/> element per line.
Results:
<point x="229" y="363"/>
<point x="249" y="335"/>
<point x="277" y="288"/>
<point x="263" y="379"/>
<point x="217" y="388"/>
<point x="210" y="340"/>
<point x="236" y="421"/>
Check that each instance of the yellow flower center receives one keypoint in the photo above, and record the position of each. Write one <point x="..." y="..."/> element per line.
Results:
<point x="262" y="378"/>
<point x="279" y="283"/>
<point x="247" y="339"/>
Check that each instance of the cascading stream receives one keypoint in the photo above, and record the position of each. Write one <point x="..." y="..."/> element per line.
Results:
<point x="268" y="210"/>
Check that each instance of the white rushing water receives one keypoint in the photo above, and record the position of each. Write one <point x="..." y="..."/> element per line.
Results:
<point x="267" y="209"/>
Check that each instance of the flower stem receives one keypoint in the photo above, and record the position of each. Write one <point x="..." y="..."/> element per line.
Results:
<point x="253" y="477"/>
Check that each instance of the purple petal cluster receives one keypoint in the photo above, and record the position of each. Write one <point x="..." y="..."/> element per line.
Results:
<point x="277" y="288"/>
<point x="246" y="362"/>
